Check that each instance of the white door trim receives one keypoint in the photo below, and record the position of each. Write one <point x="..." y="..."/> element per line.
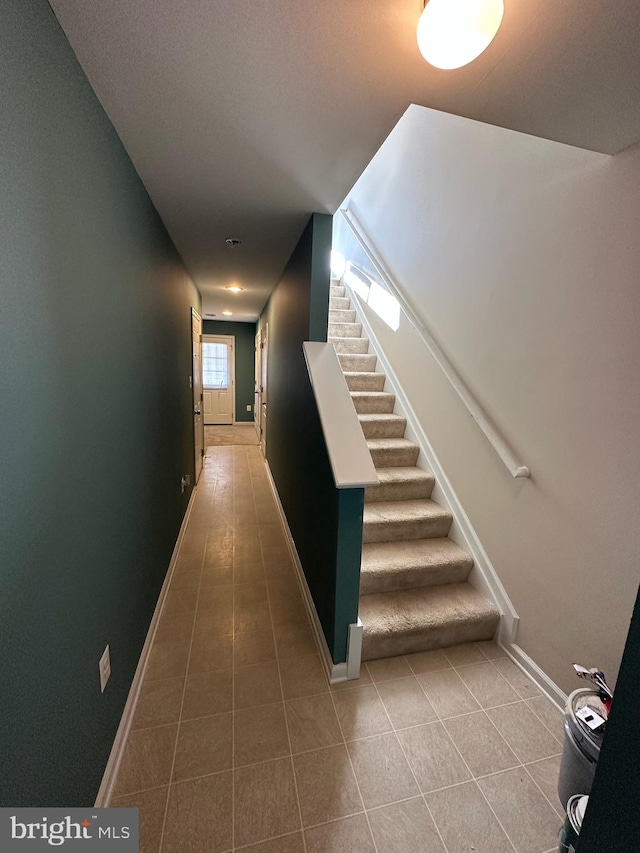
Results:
<point x="264" y="391"/>
<point x="196" y="396"/>
<point x="230" y="340"/>
<point x="256" y="383"/>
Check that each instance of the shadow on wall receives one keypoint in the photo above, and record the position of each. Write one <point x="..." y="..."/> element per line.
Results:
<point x="95" y="351"/>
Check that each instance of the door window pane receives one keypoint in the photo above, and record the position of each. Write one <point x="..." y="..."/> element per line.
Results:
<point x="215" y="365"/>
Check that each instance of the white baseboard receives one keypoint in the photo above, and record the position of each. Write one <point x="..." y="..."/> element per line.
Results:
<point x="542" y="681"/>
<point x="117" y="750"/>
<point x="336" y="672"/>
<point x="483" y="575"/>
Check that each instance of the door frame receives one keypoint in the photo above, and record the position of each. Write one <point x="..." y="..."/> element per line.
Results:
<point x="198" y="418"/>
<point x="257" y="403"/>
<point x="263" y="395"/>
<point x="230" y="340"/>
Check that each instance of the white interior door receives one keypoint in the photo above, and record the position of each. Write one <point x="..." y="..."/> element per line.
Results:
<point x="218" y="378"/>
<point x="196" y="382"/>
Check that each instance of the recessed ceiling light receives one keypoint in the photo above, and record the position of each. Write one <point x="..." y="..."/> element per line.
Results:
<point x="227" y="313"/>
<point x="234" y="288"/>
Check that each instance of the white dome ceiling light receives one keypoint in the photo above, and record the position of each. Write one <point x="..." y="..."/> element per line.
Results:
<point x="452" y="33"/>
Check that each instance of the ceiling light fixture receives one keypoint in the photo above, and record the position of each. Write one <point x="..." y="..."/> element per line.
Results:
<point x="234" y="288"/>
<point x="228" y="313"/>
<point x="452" y="33"/>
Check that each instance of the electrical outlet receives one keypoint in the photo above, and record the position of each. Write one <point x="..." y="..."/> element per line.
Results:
<point x="104" y="665"/>
<point x="248" y="408"/>
<point x="188" y="479"/>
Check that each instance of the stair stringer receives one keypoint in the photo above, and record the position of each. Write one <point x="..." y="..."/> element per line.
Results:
<point x="483" y="576"/>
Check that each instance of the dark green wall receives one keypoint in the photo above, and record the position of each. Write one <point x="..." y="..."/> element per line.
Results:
<point x="612" y="822"/>
<point x="96" y="424"/>
<point x="245" y="335"/>
<point x="326" y="523"/>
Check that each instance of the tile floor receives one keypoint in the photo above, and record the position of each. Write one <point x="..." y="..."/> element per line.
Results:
<point x="240" y="743"/>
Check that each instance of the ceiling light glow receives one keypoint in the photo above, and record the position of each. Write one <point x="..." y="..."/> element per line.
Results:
<point x="452" y="33"/>
<point x="227" y="313"/>
<point x="234" y="288"/>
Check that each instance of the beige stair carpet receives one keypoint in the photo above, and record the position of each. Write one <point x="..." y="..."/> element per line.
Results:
<point x="414" y="594"/>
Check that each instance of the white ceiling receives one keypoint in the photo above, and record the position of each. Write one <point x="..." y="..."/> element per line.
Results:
<point x="242" y="118"/>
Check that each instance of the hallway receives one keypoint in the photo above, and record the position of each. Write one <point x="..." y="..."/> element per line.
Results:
<point x="240" y="743"/>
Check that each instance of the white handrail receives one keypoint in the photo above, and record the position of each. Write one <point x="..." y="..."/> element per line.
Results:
<point x="497" y="442"/>
<point x="349" y="455"/>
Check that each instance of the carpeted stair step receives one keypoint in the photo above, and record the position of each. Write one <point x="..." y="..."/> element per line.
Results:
<point x="349" y="346"/>
<point x="342" y="315"/>
<point x="364" y="380"/>
<point x="345" y="330"/>
<point x="336" y="290"/>
<point x="383" y="425"/>
<point x="389" y="452"/>
<point x="392" y="566"/>
<point x="417" y="620"/>
<point x="400" y="484"/>
<point x="367" y="402"/>
<point x="339" y="303"/>
<point x="394" y="521"/>
<point x="359" y="362"/>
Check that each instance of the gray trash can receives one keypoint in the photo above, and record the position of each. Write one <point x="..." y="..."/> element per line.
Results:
<point x="581" y="748"/>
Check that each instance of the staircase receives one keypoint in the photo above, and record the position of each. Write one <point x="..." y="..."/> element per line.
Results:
<point x="414" y="594"/>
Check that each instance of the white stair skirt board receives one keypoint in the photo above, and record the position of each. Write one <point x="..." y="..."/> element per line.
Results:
<point x="337" y="672"/>
<point x="110" y="775"/>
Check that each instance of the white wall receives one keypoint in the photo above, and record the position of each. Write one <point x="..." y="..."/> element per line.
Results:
<point x="522" y="256"/>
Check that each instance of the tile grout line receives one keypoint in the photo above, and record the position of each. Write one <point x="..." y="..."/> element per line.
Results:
<point x="533" y="710"/>
<point x="345" y="744"/>
<point x="536" y="695"/>
<point x="416" y="675"/>
<point x="539" y="788"/>
<point x="284" y="708"/>
<point x="473" y="778"/>
<point x="321" y="749"/>
<point x="395" y="728"/>
<point x="522" y="763"/>
<point x="406" y="758"/>
<point x="233" y="668"/>
<point x="184" y="691"/>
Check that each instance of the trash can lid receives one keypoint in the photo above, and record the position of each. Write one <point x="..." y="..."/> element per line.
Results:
<point x="589" y="741"/>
